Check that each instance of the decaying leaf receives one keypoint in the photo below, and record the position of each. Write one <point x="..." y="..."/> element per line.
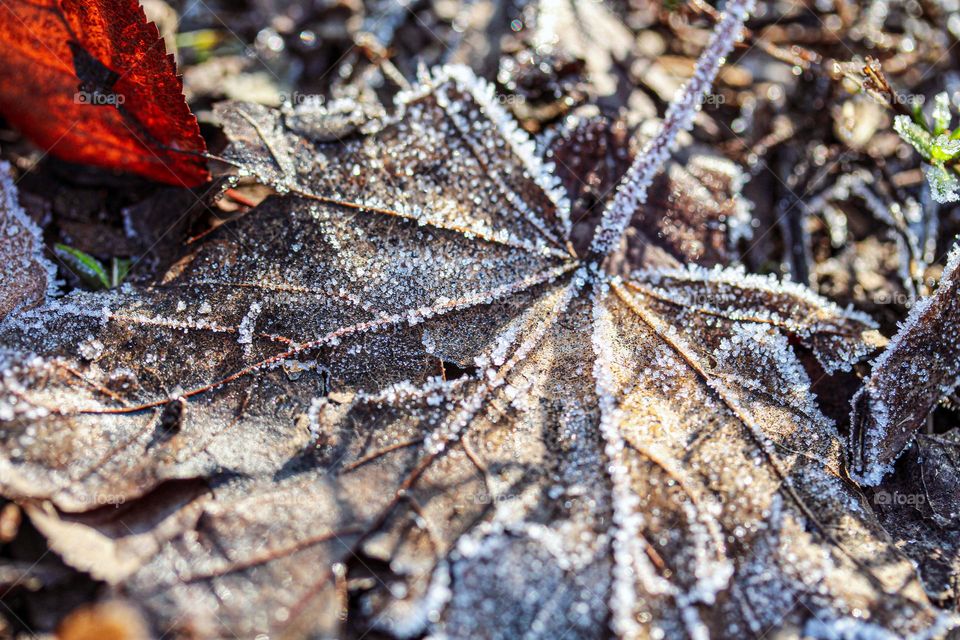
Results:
<point x="918" y="505"/>
<point x="919" y="367"/>
<point x="418" y="409"/>
<point x="26" y="276"/>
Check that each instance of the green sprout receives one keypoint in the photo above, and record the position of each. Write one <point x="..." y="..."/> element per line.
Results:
<point x="91" y="271"/>
<point x="204" y="44"/>
<point x="939" y="147"/>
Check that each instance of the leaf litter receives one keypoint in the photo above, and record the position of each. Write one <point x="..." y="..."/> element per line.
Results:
<point x="379" y="409"/>
<point x="27" y="277"/>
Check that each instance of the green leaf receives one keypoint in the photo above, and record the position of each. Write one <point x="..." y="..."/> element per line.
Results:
<point x="944" y="148"/>
<point x="119" y="269"/>
<point x="88" y="268"/>
<point x="918" y="117"/>
<point x="941" y="113"/>
<point x="915" y="135"/>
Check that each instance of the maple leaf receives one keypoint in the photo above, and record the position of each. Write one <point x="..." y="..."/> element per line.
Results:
<point x="395" y="397"/>
<point x="89" y="81"/>
<point x="918" y="369"/>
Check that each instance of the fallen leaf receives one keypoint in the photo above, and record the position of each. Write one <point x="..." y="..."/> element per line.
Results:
<point x="26" y="276"/>
<point x="919" y="504"/>
<point x="420" y="411"/>
<point x="919" y="367"/>
<point x="89" y="81"/>
<point x="100" y="541"/>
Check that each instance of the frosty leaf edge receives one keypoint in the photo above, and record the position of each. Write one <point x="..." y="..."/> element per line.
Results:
<point x="919" y="367"/>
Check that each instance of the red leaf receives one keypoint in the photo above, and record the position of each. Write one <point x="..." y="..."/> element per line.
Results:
<point x="90" y="81"/>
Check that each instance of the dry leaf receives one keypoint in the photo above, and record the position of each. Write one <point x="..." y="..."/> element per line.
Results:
<point x="919" y="367"/>
<point x="419" y="410"/>
<point x="314" y="333"/>
<point x="26" y="276"/>
<point x="919" y="504"/>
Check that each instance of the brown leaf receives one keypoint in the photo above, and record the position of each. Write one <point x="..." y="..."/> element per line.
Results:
<point x="695" y="212"/>
<point x="26" y="276"/>
<point x="420" y="411"/>
<point x="919" y="367"/>
<point x="101" y="543"/>
<point x="918" y="506"/>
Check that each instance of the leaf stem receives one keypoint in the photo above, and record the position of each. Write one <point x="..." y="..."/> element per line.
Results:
<point x="632" y="190"/>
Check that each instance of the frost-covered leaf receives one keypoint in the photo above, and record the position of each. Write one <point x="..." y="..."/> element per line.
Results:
<point x="26" y="276"/>
<point x="919" y="367"/>
<point x="418" y="410"/>
<point x="919" y="506"/>
<point x="914" y="134"/>
<point x="944" y="148"/>
<point x="944" y="184"/>
<point x="436" y="131"/>
<point x="941" y="113"/>
<point x="943" y="181"/>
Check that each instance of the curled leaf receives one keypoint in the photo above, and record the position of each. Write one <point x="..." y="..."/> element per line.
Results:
<point x="919" y="367"/>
